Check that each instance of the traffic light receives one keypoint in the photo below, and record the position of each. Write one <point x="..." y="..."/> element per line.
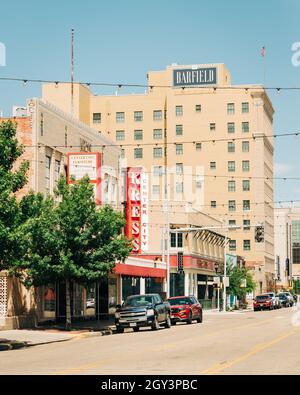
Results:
<point x="180" y="262"/>
<point x="259" y="234"/>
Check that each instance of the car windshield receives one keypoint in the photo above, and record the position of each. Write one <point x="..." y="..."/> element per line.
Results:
<point x="136" y="301"/>
<point x="282" y="296"/>
<point x="262" y="297"/>
<point x="179" y="301"/>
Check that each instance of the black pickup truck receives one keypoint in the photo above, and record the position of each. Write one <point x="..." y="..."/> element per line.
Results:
<point x="141" y="311"/>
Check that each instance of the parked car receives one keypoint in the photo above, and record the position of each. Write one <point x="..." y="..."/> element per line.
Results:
<point x="185" y="309"/>
<point x="284" y="300"/>
<point x="295" y="297"/>
<point x="263" y="302"/>
<point x="142" y="311"/>
<point x="275" y="299"/>
<point x="289" y="297"/>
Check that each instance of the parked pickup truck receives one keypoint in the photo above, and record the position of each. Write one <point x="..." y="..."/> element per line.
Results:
<point x="141" y="311"/>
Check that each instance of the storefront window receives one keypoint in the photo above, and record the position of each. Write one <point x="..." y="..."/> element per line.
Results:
<point x="90" y="304"/>
<point x="78" y="303"/>
<point x="130" y="286"/>
<point x="153" y="285"/>
<point x="49" y="301"/>
<point x="112" y="294"/>
<point x="177" y="284"/>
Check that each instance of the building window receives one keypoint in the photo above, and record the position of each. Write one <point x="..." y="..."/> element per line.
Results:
<point x="122" y="153"/>
<point x="158" y="171"/>
<point x="48" y="172"/>
<point x="179" y="149"/>
<point x="120" y="117"/>
<point x="155" y="189"/>
<point x="138" y="153"/>
<point x="230" y="108"/>
<point x="232" y="245"/>
<point x="198" y="108"/>
<point x="157" y="115"/>
<point x="179" y="130"/>
<point x="232" y="222"/>
<point x="212" y="127"/>
<point x="245" y="146"/>
<point x="198" y="146"/>
<point x="157" y="134"/>
<point x="138" y="135"/>
<point x="179" y="187"/>
<point x="138" y="116"/>
<point x="231" y="165"/>
<point x="157" y="152"/>
<point x="57" y="170"/>
<point x="246" y="224"/>
<point x="179" y="111"/>
<point x="198" y="183"/>
<point x="179" y="168"/>
<point x="246" y="185"/>
<point x="231" y="186"/>
<point x="247" y="245"/>
<point x="120" y="135"/>
<point x="246" y="165"/>
<point x="231" y="127"/>
<point x="245" y="107"/>
<point x="97" y="117"/>
<point x="213" y="165"/>
<point x="231" y="147"/>
<point x="246" y="205"/>
<point x="176" y="240"/>
<point x="231" y="205"/>
<point x="213" y="204"/>
<point x="245" y="127"/>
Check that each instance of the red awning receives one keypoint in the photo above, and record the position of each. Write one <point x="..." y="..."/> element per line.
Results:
<point x="139" y="271"/>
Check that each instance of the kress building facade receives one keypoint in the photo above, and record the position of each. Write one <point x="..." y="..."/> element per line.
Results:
<point x="177" y="124"/>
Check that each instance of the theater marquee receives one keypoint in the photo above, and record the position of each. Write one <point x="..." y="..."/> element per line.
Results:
<point x="195" y="77"/>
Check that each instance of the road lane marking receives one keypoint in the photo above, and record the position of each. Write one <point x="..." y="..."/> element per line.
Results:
<point x="219" y="367"/>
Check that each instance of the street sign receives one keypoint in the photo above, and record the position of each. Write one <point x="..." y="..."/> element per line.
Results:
<point x="226" y="281"/>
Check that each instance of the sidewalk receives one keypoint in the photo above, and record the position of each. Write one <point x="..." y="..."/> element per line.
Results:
<point x="19" y="338"/>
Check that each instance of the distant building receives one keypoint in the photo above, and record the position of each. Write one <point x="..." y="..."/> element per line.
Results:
<point x="176" y="124"/>
<point x="287" y="246"/>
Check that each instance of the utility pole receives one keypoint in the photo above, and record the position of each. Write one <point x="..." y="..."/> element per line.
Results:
<point x="72" y="71"/>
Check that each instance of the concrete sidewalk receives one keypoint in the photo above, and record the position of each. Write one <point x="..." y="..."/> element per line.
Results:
<point x="18" y="338"/>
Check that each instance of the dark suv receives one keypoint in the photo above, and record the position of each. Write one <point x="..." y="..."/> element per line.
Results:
<point x="141" y="311"/>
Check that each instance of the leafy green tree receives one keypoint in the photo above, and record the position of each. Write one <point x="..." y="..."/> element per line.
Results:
<point x="69" y="238"/>
<point x="12" y="179"/>
<point x="237" y="276"/>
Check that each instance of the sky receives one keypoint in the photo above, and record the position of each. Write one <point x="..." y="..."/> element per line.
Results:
<point x="119" y="41"/>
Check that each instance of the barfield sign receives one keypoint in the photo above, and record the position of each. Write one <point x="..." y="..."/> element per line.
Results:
<point x="194" y="77"/>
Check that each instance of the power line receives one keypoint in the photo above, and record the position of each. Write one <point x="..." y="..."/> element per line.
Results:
<point x="230" y="139"/>
<point x="152" y="86"/>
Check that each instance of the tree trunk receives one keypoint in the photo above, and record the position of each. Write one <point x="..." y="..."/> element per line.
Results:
<point x="68" y="306"/>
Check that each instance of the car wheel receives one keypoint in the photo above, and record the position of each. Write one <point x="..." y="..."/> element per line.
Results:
<point x="190" y="318"/>
<point x="155" y="325"/>
<point x="136" y="329"/>
<point x="168" y="323"/>
<point x="120" y="330"/>
<point x="200" y="318"/>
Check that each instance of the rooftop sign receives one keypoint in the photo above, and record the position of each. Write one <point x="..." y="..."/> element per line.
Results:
<point x="194" y="77"/>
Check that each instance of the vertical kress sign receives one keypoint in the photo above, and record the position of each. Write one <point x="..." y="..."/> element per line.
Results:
<point x="84" y="164"/>
<point x="137" y="215"/>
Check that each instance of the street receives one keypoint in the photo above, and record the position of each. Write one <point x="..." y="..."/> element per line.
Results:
<point x="265" y="342"/>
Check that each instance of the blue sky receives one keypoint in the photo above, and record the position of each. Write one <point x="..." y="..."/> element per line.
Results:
<point x="120" y="40"/>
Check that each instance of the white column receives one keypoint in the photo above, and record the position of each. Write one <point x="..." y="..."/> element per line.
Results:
<point x="142" y="286"/>
<point x="195" y="286"/>
<point x="186" y="283"/>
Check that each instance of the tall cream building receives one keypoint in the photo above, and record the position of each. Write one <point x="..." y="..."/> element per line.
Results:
<point x="213" y="137"/>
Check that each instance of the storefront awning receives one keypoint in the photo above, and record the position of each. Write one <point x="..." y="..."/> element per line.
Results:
<point x="139" y="271"/>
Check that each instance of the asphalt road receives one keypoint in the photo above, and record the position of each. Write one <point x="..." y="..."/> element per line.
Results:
<point x="225" y="343"/>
